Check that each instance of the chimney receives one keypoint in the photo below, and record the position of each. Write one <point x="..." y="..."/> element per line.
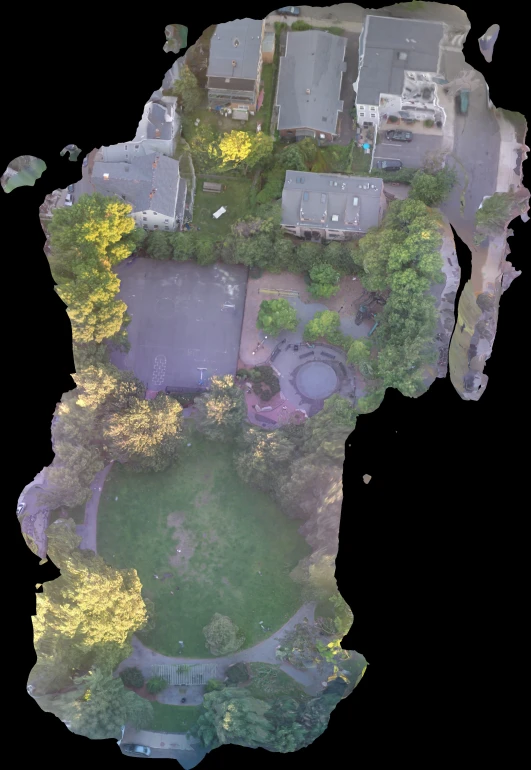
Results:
<point x="233" y="63"/>
<point x="307" y="90"/>
<point x="157" y="132"/>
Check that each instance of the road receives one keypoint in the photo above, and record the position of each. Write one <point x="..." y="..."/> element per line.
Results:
<point x="84" y="185"/>
<point x="476" y="162"/>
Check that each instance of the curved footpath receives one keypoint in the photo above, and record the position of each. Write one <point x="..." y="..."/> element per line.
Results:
<point x="263" y="652"/>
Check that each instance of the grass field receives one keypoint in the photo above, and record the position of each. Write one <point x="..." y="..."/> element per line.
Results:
<point x="270" y="682"/>
<point x="226" y="532"/>
<point x="235" y="199"/>
<point x="173" y="719"/>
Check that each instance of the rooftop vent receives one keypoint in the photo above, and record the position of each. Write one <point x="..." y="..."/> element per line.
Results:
<point x="235" y="42"/>
<point x="402" y="55"/>
<point x="307" y="90"/>
<point x="157" y="132"/>
<point x="355" y="201"/>
<point x="335" y="218"/>
<point x="233" y="63"/>
<point x="106" y="176"/>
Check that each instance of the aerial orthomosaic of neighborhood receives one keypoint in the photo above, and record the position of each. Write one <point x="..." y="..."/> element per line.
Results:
<point x="244" y="278"/>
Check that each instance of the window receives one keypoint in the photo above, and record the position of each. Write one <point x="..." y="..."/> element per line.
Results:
<point x="136" y="146"/>
<point x="144" y="212"/>
<point x="166" y="227"/>
<point x="166" y="221"/>
<point x="125" y="147"/>
<point x="305" y="196"/>
<point x="155" y="227"/>
<point x="144" y="219"/>
<point x="155" y="213"/>
<point x="146" y="227"/>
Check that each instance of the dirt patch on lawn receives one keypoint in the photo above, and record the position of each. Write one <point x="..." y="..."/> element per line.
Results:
<point x="203" y="499"/>
<point x="185" y="547"/>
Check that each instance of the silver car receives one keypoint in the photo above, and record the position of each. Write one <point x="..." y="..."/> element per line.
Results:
<point x="133" y="748"/>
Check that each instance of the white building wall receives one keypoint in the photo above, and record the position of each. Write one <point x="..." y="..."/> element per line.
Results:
<point x="152" y="220"/>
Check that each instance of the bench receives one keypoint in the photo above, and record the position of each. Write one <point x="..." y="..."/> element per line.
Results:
<point x="306" y="355"/>
<point x="327" y="355"/>
<point x="212" y="187"/>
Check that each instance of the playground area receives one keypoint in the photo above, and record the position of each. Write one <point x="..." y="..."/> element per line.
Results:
<point x="186" y="321"/>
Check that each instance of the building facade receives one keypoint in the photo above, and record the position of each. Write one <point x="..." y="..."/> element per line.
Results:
<point x="157" y="131"/>
<point x="400" y="69"/>
<point x="309" y="85"/>
<point x="235" y="64"/>
<point x="329" y="207"/>
<point x="151" y="184"/>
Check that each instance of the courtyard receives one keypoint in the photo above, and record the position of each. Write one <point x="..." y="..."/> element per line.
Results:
<point x="214" y="545"/>
<point x="184" y="317"/>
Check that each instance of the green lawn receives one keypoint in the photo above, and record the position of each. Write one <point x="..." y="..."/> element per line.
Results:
<point x="264" y="113"/>
<point x="236" y="199"/>
<point x="228" y="533"/>
<point x="173" y="719"/>
<point x="269" y="682"/>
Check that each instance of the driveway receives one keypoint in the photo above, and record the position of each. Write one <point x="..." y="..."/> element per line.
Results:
<point x="411" y="154"/>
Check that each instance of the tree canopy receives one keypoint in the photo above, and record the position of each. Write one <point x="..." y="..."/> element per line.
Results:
<point x="221" y="411"/>
<point x="432" y="188"/>
<point x="222" y="635"/>
<point x="187" y="90"/>
<point x="324" y="281"/>
<point x="231" y="715"/>
<point x="87" y="615"/>
<point x="276" y="315"/>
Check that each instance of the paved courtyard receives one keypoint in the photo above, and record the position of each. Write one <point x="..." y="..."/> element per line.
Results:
<point x="184" y="316"/>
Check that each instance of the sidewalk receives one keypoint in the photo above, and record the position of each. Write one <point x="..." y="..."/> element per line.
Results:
<point x="88" y="530"/>
<point x="176" y="741"/>
<point x="509" y="147"/>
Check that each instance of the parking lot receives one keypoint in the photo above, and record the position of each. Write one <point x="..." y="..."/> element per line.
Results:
<point x="184" y="316"/>
<point x="411" y="154"/>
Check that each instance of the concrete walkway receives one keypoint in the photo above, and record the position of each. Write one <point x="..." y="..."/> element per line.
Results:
<point x="89" y="529"/>
<point x="263" y="652"/>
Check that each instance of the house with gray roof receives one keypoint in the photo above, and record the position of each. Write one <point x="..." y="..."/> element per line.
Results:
<point x="309" y="85"/>
<point x="337" y="207"/>
<point x="157" y="132"/>
<point x="235" y="64"/>
<point x="400" y="69"/>
<point x="151" y="184"/>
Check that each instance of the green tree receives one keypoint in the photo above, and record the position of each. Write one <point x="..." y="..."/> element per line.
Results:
<point x="326" y="432"/>
<point x="213" y="685"/>
<point x="238" y="673"/>
<point x="261" y="150"/>
<point x="204" y="147"/>
<point x="325" y="281"/>
<point x="222" y="635"/>
<point x="69" y="477"/>
<point x="292" y="158"/>
<point x="433" y="189"/>
<point x="90" y="607"/>
<point x="494" y="215"/>
<point x="307" y="255"/>
<point x="132" y="677"/>
<point x="235" y="148"/>
<point x="359" y="352"/>
<point x="187" y="90"/>
<point x="106" y="705"/>
<point x="339" y="256"/>
<point x="158" y="244"/>
<point x="265" y="459"/>
<point x="222" y="410"/>
<point x="147" y="435"/>
<point x="317" y="576"/>
<point x="276" y="315"/>
<point x="156" y="685"/>
<point x="371" y="401"/>
<point x="324" y="324"/>
<point x="312" y="477"/>
<point x="231" y="715"/>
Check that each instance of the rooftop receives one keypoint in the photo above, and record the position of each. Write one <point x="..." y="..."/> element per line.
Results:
<point x="391" y="47"/>
<point x="333" y="201"/>
<point x="309" y="81"/>
<point x="235" y="49"/>
<point x="149" y="182"/>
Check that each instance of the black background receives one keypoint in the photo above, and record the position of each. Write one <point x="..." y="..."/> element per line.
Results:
<point x="430" y="553"/>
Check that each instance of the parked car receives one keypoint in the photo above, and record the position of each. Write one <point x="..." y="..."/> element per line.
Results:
<point x="85" y="161"/>
<point x="399" y="136"/>
<point x="289" y="10"/>
<point x="133" y="748"/>
<point x="389" y="165"/>
<point x="462" y="99"/>
<point x="69" y="200"/>
<point x="20" y="508"/>
<point x="70" y="188"/>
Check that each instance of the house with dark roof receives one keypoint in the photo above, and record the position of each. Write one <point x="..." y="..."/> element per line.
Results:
<point x="235" y="64"/>
<point x="330" y="206"/>
<point x="309" y="85"/>
<point x="151" y="184"/>
<point x="400" y="69"/>
<point x="157" y="132"/>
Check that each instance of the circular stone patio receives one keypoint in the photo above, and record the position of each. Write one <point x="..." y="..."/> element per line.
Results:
<point x="316" y="380"/>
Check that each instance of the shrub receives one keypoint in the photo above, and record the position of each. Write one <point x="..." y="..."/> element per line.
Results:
<point x="132" y="677"/>
<point x="300" y="26"/>
<point x="255" y="272"/>
<point x="429" y="123"/>
<point x="239" y="672"/>
<point x="266" y="383"/>
<point x="213" y="685"/>
<point x="393" y="119"/>
<point x="156" y="684"/>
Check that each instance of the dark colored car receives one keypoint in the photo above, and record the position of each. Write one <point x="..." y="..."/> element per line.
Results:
<point x="389" y="165"/>
<point x="71" y="188"/>
<point x="462" y="100"/>
<point x="289" y="10"/>
<point x="399" y="136"/>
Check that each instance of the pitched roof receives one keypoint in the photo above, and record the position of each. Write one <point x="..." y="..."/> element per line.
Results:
<point x="314" y="62"/>
<point x="333" y="201"/>
<point x="149" y="182"/>
<point x="381" y="42"/>
<point x="157" y="122"/>
<point x="235" y="41"/>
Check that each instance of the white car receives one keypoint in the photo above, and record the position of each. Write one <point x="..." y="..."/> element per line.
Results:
<point x="133" y="748"/>
<point x="69" y="200"/>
